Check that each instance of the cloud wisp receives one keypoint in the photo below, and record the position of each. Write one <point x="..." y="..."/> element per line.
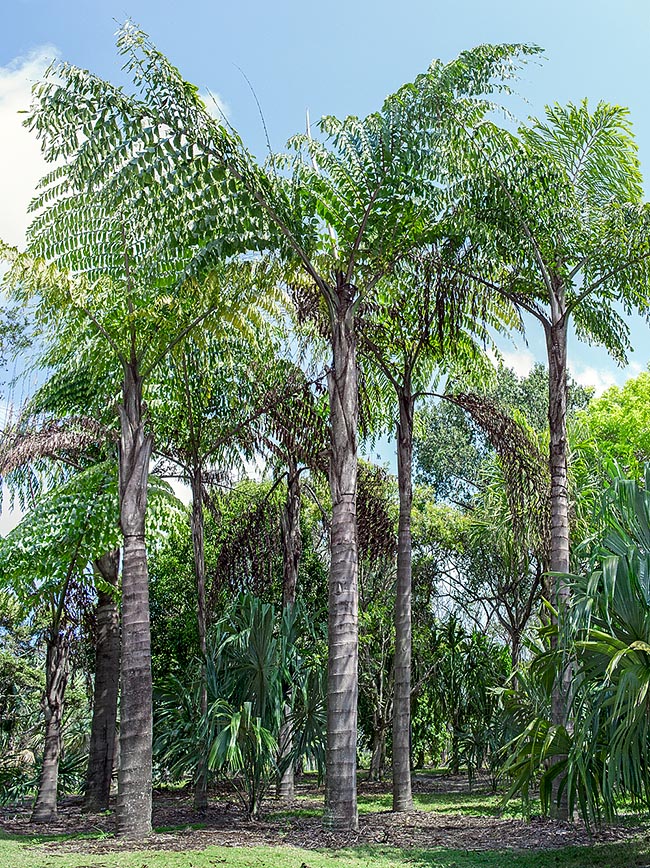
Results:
<point x="21" y="162"/>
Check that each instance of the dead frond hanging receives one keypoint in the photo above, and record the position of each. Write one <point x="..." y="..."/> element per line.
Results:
<point x="58" y="439"/>
<point x="525" y="469"/>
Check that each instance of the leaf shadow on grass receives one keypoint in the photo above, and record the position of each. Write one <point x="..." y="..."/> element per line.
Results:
<point x="34" y="838"/>
<point x="627" y="855"/>
<point x="479" y="805"/>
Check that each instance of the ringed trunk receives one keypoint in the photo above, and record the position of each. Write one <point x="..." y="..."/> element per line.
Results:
<point x="402" y="795"/>
<point x="291" y="539"/>
<point x="557" y="404"/>
<point x="198" y="545"/>
<point x="107" y="679"/>
<point x="378" y="756"/>
<point x="134" y="778"/>
<point x="343" y="594"/>
<point x="556" y="340"/>
<point x="56" y="679"/>
<point x="291" y="552"/>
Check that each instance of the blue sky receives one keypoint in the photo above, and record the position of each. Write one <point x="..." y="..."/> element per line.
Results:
<point x="343" y="57"/>
<point x="332" y="58"/>
<point x="338" y="58"/>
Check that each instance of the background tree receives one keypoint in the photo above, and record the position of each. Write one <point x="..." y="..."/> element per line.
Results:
<point x="101" y="750"/>
<point x="617" y="425"/>
<point x="558" y="211"/>
<point x="451" y="449"/>
<point x="204" y="406"/>
<point x="45" y="563"/>
<point x="125" y="307"/>
<point x="346" y="212"/>
<point x="43" y="450"/>
<point x="420" y="322"/>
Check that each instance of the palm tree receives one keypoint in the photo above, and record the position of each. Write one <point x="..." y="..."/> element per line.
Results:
<point x="557" y="221"/>
<point x="252" y="654"/>
<point x="614" y="650"/>
<point x="101" y="750"/>
<point x="206" y="408"/>
<point x="39" y="454"/>
<point x="349" y="208"/>
<point x="44" y="565"/>
<point x="115" y="319"/>
<point x="421" y="322"/>
<point x="603" y="755"/>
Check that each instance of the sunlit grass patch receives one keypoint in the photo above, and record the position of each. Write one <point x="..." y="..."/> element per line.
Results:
<point x="28" y="855"/>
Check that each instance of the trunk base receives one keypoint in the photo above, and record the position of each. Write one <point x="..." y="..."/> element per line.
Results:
<point x="201" y="798"/>
<point x="402" y="806"/>
<point x="43" y="815"/>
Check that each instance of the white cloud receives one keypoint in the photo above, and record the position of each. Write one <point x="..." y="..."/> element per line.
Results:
<point x="21" y="168"/>
<point x="215" y="104"/>
<point x="521" y="361"/>
<point x="9" y="517"/>
<point x="21" y="163"/>
<point x="597" y="379"/>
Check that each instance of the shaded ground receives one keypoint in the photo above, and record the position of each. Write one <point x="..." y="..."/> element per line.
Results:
<point x="449" y="816"/>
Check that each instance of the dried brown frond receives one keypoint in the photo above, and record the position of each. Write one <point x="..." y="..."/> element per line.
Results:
<point x="59" y="439"/>
<point x="376" y="531"/>
<point x="525" y="468"/>
<point x="250" y="553"/>
<point x="296" y="426"/>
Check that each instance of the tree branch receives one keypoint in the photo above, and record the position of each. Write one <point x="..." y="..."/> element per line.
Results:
<point x="571" y="306"/>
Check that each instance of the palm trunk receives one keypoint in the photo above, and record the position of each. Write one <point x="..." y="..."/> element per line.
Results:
<point x="198" y="544"/>
<point x="291" y="539"/>
<point x="56" y="679"/>
<point x="343" y="596"/>
<point x="134" y="778"/>
<point x="557" y="394"/>
<point x="454" y="760"/>
<point x="378" y="755"/>
<point x="556" y="340"/>
<point x="291" y="552"/>
<point x="515" y="648"/>
<point x="402" y="796"/>
<point x="107" y="678"/>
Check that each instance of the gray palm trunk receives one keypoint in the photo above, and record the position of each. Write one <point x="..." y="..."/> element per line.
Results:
<point x="134" y="800"/>
<point x="556" y="342"/>
<point x="557" y="361"/>
<point x="101" y="752"/>
<point x="291" y="552"/>
<point x="343" y="594"/>
<point x="56" y="678"/>
<point x="198" y="544"/>
<point x="381" y="717"/>
<point x="402" y="795"/>
<point x="291" y="538"/>
<point x="378" y="753"/>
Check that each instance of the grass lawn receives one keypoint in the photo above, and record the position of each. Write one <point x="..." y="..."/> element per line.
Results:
<point x="37" y="853"/>
<point x="465" y="804"/>
<point x="77" y="850"/>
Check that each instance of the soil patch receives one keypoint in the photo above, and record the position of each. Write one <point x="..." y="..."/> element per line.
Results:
<point x="224" y="824"/>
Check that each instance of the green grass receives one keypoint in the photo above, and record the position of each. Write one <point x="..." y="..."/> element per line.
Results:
<point x="180" y="827"/>
<point x="465" y="804"/>
<point x="31" y="854"/>
<point x="469" y="805"/>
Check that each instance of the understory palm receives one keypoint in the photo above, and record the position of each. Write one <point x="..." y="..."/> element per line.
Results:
<point x="602" y="758"/>
<point x="253" y="654"/>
